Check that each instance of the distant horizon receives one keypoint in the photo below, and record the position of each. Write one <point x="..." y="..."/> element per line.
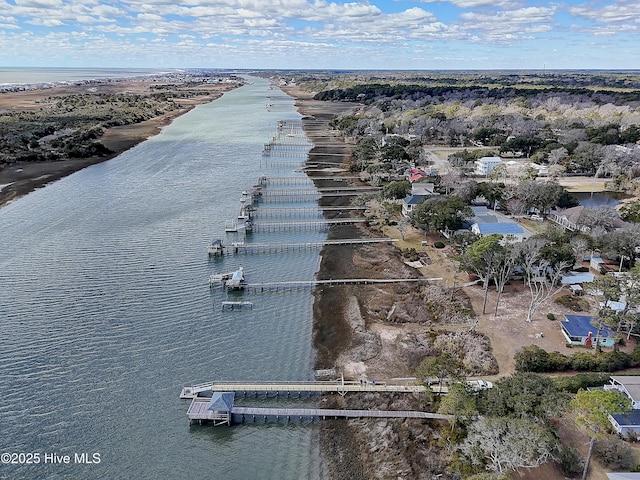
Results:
<point x="328" y="70"/>
<point x="363" y="35"/>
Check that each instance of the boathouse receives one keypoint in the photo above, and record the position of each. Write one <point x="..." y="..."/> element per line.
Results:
<point x="218" y="410"/>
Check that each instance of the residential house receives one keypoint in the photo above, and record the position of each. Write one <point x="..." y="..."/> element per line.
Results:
<point x="578" y="330"/>
<point x="570" y="219"/>
<point x="419" y="191"/>
<point x="484" y="165"/>
<point x="423" y="188"/>
<point x="415" y="174"/>
<point x="487" y="222"/>
<point x="626" y="423"/>
<point x="629" y="385"/>
<point x="510" y="231"/>
<point x="410" y="202"/>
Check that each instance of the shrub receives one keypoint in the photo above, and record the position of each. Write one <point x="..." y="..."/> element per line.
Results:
<point x="551" y="316"/>
<point x="535" y="359"/>
<point x="569" y="460"/>
<point x="573" y="383"/>
<point x="438" y="245"/>
<point x="613" y="453"/>
<point x="576" y="304"/>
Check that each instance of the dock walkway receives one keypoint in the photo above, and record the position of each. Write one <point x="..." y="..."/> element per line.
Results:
<point x="218" y="248"/>
<point x="198" y="411"/>
<point x="289" y="388"/>
<point x="309" y="225"/>
<point x="317" y="211"/>
<point x="294" y="285"/>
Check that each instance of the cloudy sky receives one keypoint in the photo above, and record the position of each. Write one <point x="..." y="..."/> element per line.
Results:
<point x="323" y="34"/>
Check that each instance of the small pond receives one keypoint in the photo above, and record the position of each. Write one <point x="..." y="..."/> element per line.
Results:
<point x="600" y="199"/>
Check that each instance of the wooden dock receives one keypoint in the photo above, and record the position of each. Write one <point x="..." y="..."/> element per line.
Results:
<point x="297" y="388"/>
<point x="310" y="225"/>
<point x="296" y="285"/>
<point x="199" y="412"/>
<point x="218" y="248"/>
<point x="314" y="191"/>
<point x="316" y="211"/>
<point x="264" y="181"/>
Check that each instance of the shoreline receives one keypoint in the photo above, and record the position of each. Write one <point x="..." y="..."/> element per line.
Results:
<point x="22" y="178"/>
<point x="351" y="328"/>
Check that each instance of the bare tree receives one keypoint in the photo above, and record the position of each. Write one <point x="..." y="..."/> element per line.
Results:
<point x="557" y="155"/>
<point x="541" y="278"/>
<point x="502" y="273"/>
<point x="603" y="217"/>
<point x="403" y="224"/>
<point x="580" y="246"/>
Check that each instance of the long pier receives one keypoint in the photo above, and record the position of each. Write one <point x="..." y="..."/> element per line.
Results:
<point x="289" y="388"/>
<point x="218" y="248"/>
<point x="199" y="411"/>
<point x="310" y="225"/>
<point x="322" y="191"/>
<point x="301" y="211"/>
<point x="294" y="285"/>
<point x="264" y="181"/>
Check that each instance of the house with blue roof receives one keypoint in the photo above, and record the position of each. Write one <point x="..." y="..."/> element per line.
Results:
<point x="487" y="222"/>
<point x="511" y="231"/>
<point x="579" y="330"/>
<point x="626" y="423"/>
<point x="410" y="202"/>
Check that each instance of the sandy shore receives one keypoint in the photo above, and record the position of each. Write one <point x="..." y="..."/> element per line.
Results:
<point x="22" y="178"/>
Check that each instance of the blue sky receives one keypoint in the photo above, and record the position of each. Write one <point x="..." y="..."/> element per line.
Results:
<point x="322" y="34"/>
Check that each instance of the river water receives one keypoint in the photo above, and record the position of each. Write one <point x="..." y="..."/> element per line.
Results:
<point x="106" y="312"/>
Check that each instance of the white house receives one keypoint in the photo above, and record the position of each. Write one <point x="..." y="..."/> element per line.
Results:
<point x="410" y="202"/>
<point x="629" y="385"/>
<point x="484" y="165"/>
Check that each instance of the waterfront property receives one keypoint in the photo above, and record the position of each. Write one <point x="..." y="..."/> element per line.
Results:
<point x="580" y="330"/>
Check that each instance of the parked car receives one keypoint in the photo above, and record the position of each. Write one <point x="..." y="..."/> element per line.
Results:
<point x="477" y="385"/>
<point x="537" y="217"/>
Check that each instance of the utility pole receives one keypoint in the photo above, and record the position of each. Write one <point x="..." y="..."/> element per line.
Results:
<point x="586" y="464"/>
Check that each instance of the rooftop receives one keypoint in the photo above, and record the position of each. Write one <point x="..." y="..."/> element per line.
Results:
<point x="581" y="326"/>
<point x="505" y="228"/>
<point x="631" y="384"/>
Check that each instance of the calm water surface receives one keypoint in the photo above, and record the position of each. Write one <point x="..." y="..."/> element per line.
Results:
<point x="105" y="309"/>
<point x="26" y="75"/>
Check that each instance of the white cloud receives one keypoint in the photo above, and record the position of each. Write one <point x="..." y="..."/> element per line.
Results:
<point x="617" y="12"/>
<point x="302" y="31"/>
<point x="519" y="16"/>
<point x="39" y="3"/>
<point x="475" y="3"/>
